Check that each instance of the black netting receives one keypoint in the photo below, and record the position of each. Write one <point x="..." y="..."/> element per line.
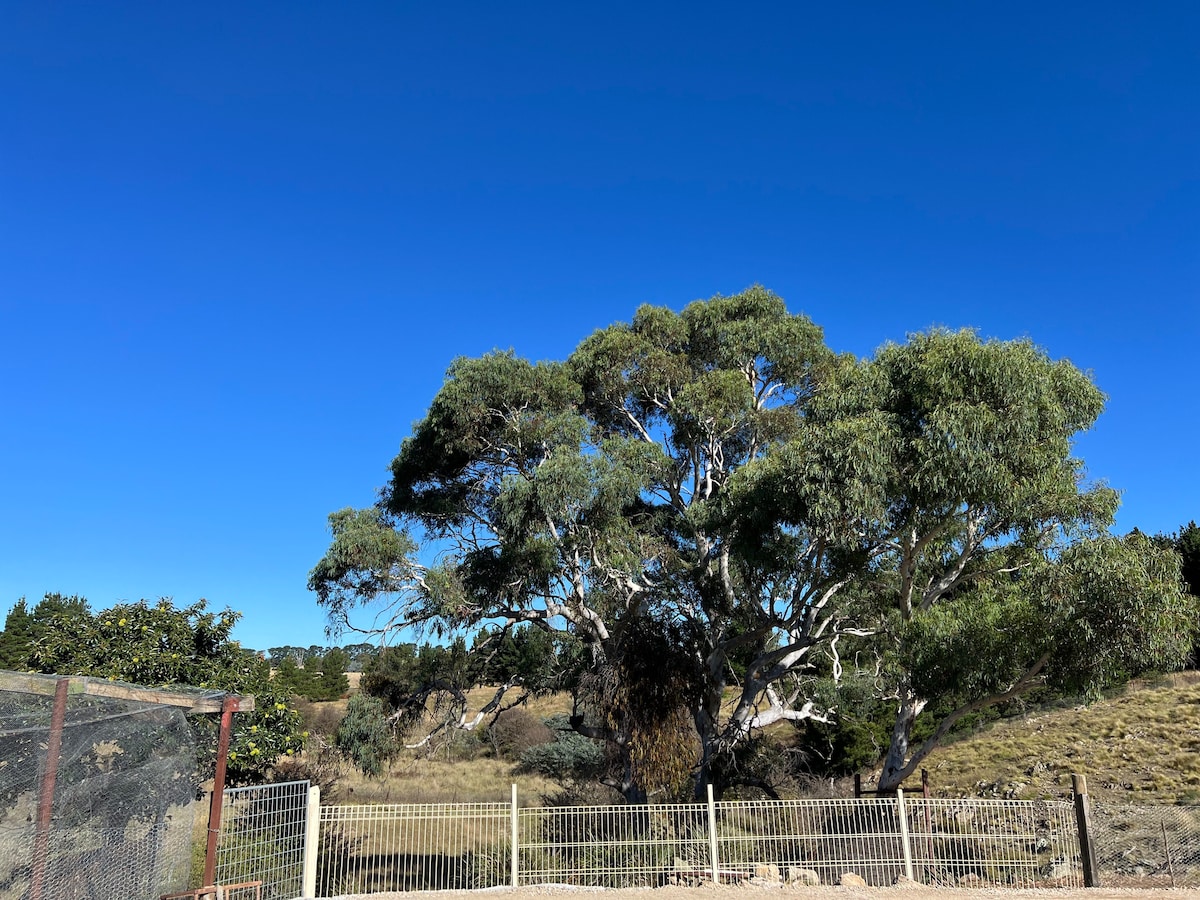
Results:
<point x="124" y="799"/>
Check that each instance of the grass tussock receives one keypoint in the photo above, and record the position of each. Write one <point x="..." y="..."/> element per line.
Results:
<point x="1140" y="746"/>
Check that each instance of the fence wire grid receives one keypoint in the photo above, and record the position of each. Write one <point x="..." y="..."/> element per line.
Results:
<point x="365" y="849"/>
<point x="96" y="863"/>
<point x="1144" y="846"/>
<point x="403" y="847"/>
<point x="611" y="846"/>
<point x="263" y="838"/>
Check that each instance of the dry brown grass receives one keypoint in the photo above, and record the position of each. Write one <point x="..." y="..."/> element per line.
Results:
<point x="1140" y="746"/>
<point x="433" y="780"/>
<point x="461" y="770"/>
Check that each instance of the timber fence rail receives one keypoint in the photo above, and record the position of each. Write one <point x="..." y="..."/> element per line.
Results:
<point x="376" y="848"/>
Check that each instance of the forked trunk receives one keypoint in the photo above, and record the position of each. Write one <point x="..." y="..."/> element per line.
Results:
<point x="896" y="763"/>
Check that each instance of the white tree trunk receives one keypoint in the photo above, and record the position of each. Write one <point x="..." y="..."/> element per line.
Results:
<point x="895" y="764"/>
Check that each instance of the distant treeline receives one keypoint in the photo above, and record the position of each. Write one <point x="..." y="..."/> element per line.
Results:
<point x="494" y="657"/>
<point x="357" y="655"/>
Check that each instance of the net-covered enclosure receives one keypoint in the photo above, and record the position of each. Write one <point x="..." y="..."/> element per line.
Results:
<point x="98" y="788"/>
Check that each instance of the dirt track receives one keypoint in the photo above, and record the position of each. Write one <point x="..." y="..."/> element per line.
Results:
<point x="799" y="893"/>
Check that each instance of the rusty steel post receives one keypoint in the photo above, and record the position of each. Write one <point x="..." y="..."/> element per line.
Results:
<point x="41" y="839"/>
<point x="228" y="706"/>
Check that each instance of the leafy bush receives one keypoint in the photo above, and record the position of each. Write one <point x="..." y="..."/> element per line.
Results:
<point x="364" y="735"/>
<point x="571" y="757"/>
<point x="516" y="731"/>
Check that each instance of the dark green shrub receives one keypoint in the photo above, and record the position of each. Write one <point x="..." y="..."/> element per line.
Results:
<point x="570" y="757"/>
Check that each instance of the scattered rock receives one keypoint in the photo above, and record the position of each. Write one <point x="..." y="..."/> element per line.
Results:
<point x="969" y="879"/>
<point x="852" y="879"/>
<point x="807" y="877"/>
<point x="905" y="883"/>
<point x="685" y="874"/>
<point x="766" y="871"/>
<point x="1058" y="870"/>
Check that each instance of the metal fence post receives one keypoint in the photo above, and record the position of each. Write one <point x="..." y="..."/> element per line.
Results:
<point x="712" y="837"/>
<point x="904" y="842"/>
<point x="1083" y="819"/>
<point x="41" y="838"/>
<point x="312" y="837"/>
<point x="516" y="836"/>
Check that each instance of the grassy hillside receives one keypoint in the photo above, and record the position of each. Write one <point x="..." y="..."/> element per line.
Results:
<point x="1140" y="746"/>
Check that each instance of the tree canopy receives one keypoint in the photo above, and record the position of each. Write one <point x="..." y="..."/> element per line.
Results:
<point x="157" y="644"/>
<point x="711" y="499"/>
<point x="951" y="458"/>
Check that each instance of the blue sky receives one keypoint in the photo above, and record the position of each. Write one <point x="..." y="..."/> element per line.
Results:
<point x="240" y="243"/>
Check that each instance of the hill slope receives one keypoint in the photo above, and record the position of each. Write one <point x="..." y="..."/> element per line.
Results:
<point x="1141" y="746"/>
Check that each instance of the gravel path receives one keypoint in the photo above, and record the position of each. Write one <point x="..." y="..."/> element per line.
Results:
<point x="797" y="892"/>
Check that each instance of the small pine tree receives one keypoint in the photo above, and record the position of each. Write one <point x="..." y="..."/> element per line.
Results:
<point x="16" y="640"/>
<point x="332" y="682"/>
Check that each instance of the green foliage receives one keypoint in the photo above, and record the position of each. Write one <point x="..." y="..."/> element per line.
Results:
<point x="1187" y="545"/>
<point x="364" y="735"/>
<point x="23" y="629"/>
<point x="158" y="645"/>
<point x="985" y="555"/>
<point x="541" y="660"/>
<point x="706" y="492"/>
<point x="399" y="672"/>
<point x="333" y="682"/>
<point x="291" y="679"/>
<point x="367" y="558"/>
<point x="569" y="757"/>
<point x="17" y="638"/>
<point x="323" y="676"/>
<point x="1115" y="609"/>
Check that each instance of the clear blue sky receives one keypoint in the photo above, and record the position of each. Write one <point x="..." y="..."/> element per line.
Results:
<point x="240" y="243"/>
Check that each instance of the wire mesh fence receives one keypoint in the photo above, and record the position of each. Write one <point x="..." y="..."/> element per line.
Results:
<point x="263" y="838"/>
<point x="1147" y="846"/>
<point x="367" y="849"/>
<point x="1012" y="843"/>
<point x="395" y="847"/>
<point x="97" y="789"/>
<point x="135" y="861"/>
<point x="815" y="840"/>
<point x="612" y="846"/>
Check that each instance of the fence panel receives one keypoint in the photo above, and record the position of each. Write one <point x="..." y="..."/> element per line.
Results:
<point x="395" y="847"/>
<point x="1011" y="843"/>
<point x="1147" y="846"/>
<point x="810" y="839"/>
<point x="366" y="849"/>
<point x="613" y="846"/>
<point x="262" y="838"/>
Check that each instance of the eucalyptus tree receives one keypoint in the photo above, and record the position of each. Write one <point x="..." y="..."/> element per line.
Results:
<point x="590" y="496"/>
<point x="989" y="569"/>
